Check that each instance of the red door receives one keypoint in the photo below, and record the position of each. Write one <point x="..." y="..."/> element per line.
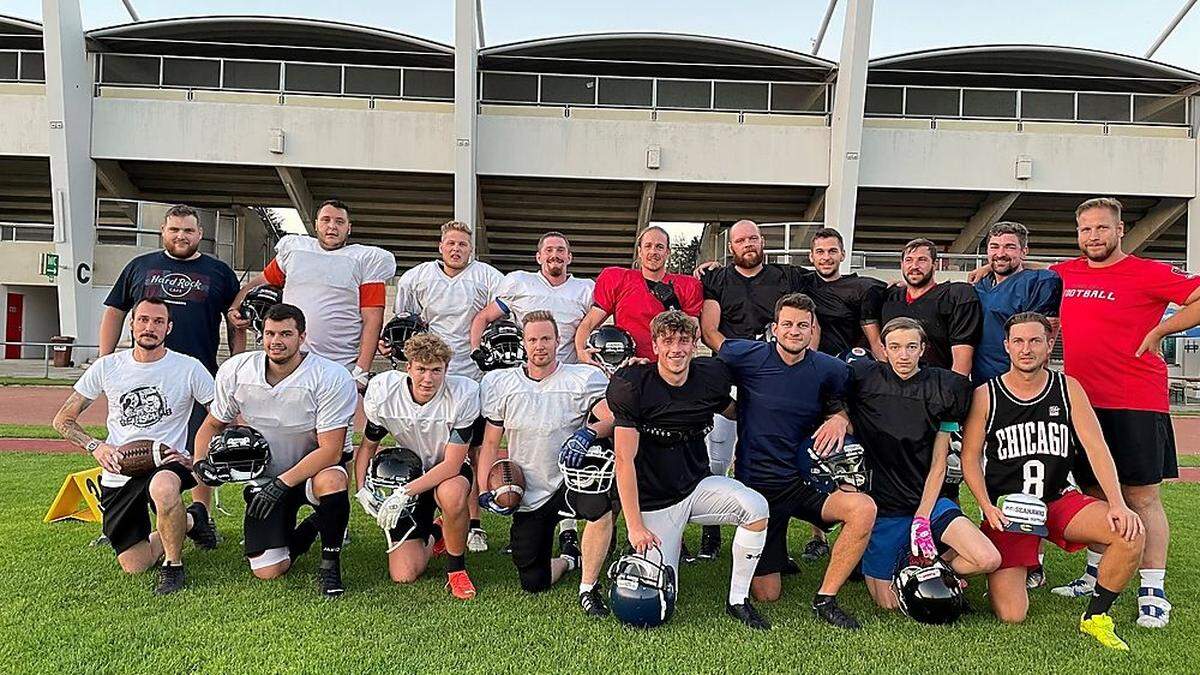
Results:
<point x="12" y="325"/>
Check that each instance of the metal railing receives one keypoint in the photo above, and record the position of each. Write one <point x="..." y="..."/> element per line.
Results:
<point x="207" y="73"/>
<point x="143" y="227"/>
<point x="28" y="66"/>
<point x="1021" y="105"/>
<point x="47" y="348"/>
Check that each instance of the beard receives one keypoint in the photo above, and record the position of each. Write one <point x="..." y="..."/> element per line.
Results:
<point x="181" y="250"/>
<point x="1108" y="251"/>
<point x="918" y="279"/>
<point x="149" y="342"/>
<point x="1002" y="266"/>
<point x="748" y="259"/>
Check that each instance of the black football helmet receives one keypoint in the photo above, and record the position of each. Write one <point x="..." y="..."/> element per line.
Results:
<point x="256" y="303"/>
<point x="842" y="468"/>
<point x="398" y="331"/>
<point x="388" y="470"/>
<point x="500" y="346"/>
<point x="238" y="454"/>
<point x="929" y="591"/>
<point x="856" y="354"/>
<point x="614" y="346"/>
<point x="642" y="593"/>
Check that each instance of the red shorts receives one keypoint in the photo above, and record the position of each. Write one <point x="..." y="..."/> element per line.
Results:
<point x="1021" y="550"/>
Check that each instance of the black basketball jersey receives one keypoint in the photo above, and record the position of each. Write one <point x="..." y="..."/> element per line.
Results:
<point x="1030" y="444"/>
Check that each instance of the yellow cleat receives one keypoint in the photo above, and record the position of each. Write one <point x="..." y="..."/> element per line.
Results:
<point x="1100" y="626"/>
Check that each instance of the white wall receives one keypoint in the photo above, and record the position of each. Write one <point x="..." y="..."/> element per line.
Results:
<point x="24" y="127"/>
<point x="41" y="316"/>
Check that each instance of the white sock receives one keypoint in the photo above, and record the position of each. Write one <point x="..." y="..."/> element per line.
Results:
<point x="584" y="588"/>
<point x="1092" y="570"/>
<point x="1152" y="578"/>
<point x="569" y="560"/>
<point x="747" y="547"/>
<point x="566" y="524"/>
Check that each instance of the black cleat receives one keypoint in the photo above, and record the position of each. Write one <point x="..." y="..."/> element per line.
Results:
<point x="507" y="550"/>
<point x="710" y="542"/>
<point x="814" y="550"/>
<point x="170" y="579"/>
<point x="747" y="614"/>
<point x="685" y="555"/>
<point x="592" y="603"/>
<point x="832" y="613"/>
<point x="329" y="579"/>
<point x="790" y="567"/>
<point x="204" y="530"/>
<point x="568" y="544"/>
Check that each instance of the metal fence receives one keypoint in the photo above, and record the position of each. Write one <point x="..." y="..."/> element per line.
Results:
<point x="47" y="349"/>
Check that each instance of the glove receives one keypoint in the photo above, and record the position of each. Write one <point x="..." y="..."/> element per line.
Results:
<point x="361" y="377"/>
<point x="264" y="502"/>
<point x="207" y="473"/>
<point x="480" y="356"/>
<point x="575" y="448"/>
<point x="921" y="539"/>
<point x="392" y="508"/>
<point x="487" y="500"/>
<point x="367" y="499"/>
<point x="954" y="474"/>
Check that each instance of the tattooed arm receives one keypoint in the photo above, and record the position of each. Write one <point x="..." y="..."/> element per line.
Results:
<point x="66" y="423"/>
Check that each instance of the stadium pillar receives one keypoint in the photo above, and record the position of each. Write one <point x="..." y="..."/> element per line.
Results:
<point x="465" y="114"/>
<point x="1193" y="205"/>
<point x="72" y="172"/>
<point x="850" y="98"/>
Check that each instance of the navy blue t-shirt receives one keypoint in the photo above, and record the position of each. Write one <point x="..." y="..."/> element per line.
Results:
<point x="199" y="291"/>
<point x="779" y="407"/>
<point x="1025" y="291"/>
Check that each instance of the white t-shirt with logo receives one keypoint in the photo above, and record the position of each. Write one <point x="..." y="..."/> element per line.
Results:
<point x="330" y="287"/>
<point x="538" y="416"/>
<point x="448" y="304"/>
<point x="524" y="292"/>
<point x="146" y="400"/>
<point x="318" y="396"/>
<point x="423" y="428"/>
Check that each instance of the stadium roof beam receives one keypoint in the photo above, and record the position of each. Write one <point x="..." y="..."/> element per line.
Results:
<point x="646" y="204"/>
<point x="483" y="249"/>
<point x="849" y="103"/>
<point x="299" y="194"/>
<point x="990" y="212"/>
<point x="816" y="206"/>
<point x="1155" y="222"/>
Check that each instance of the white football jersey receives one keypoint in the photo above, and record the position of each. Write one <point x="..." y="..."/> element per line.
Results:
<point x="424" y="429"/>
<point x="523" y="292"/>
<point x="538" y="417"/>
<point x="146" y="400"/>
<point x="448" y="304"/>
<point x="318" y="396"/>
<point x="328" y="287"/>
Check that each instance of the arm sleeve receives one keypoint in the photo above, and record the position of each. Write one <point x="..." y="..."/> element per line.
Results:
<point x="607" y="290"/>
<point x="506" y="292"/>
<point x="121" y="295"/>
<point x="470" y="408"/>
<point x="622" y="401"/>
<point x="691" y="296"/>
<point x="872" y="299"/>
<point x="373" y="397"/>
<point x="837" y="386"/>
<point x="1171" y="283"/>
<point x="800" y="279"/>
<point x="336" y="402"/>
<point x="713" y="285"/>
<point x="203" y="387"/>
<point x="406" y="296"/>
<point x="232" y="285"/>
<point x="273" y="273"/>
<point x="733" y="352"/>
<point x="593" y="389"/>
<point x="223" y="407"/>
<point x="964" y="315"/>
<point x="956" y="397"/>
<point x="491" y="403"/>
<point x="90" y="385"/>
<point x="1046" y="293"/>
<point x="377" y="267"/>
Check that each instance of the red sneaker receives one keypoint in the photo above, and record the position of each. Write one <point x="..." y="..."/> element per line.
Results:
<point x="439" y="544"/>
<point x="460" y="585"/>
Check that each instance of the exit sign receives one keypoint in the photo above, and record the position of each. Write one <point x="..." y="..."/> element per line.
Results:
<point x="49" y="266"/>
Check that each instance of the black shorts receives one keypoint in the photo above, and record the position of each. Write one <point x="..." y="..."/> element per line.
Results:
<point x="798" y="500"/>
<point x="424" y="510"/>
<point x="477" y="432"/>
<point x="199" y="412"/>
<point x="1142" y="443"/>
<point x="126" y="518"/>
<point x="532" y="540"/>
<point x="592" y="507"/>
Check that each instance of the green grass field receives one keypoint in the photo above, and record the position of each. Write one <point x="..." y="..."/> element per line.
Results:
<point x="66" y="608"/>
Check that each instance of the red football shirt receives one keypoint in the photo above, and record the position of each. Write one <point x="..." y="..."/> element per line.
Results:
<point x="1106" y="313"/>
<point x="622" y="292"/>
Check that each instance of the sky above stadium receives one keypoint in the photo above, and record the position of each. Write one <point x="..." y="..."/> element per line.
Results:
<point x="1120" y="26"/>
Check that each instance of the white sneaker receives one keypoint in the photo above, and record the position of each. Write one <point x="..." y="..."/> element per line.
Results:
<point x="477" y="540"/>
<point x="1153" y="609"/>
<point x="1079" y="588"/>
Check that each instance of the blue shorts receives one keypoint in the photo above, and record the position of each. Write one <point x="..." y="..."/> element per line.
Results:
<point x="890" y="538"/>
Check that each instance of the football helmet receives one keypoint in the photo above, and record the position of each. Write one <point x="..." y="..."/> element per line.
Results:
<point x="238" y="454"/>
<point x="398" y="331"/>
<point x="856" y="354"/>
<point x="596" y="474"/>
<point x="642" y="593"/>
<point x="389" y="469"/>
<point x="841" y="468"/>
<point x="929" y="591"/>
<point x="614" y="346"/>
<point x="256" y="303"/>
<point x="500" y="346"/>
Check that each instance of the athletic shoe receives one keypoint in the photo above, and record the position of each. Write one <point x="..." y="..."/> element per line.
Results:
<point x="747" y="614"/>
<point x="685" y="555"/>
<point x="814" y="550"/>
<point x="507" y="550"/>
<point x="329" y="579"/>
<point x="439" y="544"/>
<point x="832" y="613"/>
<point x="1080" y="588"/>
<point x="170" y="579"/>
<point x="460" y="585"/>
<point x="1153" y="609"/>
<point x="568" y="544"/>
<point x="204" y="531"/>
<point x="1100" y="626"/>
<point x="477" y="540"/>
<point x="1036" y="578"/>
<point x="710" y="542"/>
<point x="592" y="603"/>
<point x="790" y="566"/>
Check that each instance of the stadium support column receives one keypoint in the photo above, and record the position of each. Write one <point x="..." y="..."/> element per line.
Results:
<point x="465" y="114"/>
<point x="1193" y="205"/>
<point x="72" y="172"/>
<point x="845" y="144"/>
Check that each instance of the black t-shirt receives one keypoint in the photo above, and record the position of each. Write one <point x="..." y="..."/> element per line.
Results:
<point x="199" y="291"/>
<point x="748" y="303"/>
<point x="672" y="457"/>
<point x="896" y="421"/>
<point x="844" y="306"/>
<point x="949" y="312"/>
